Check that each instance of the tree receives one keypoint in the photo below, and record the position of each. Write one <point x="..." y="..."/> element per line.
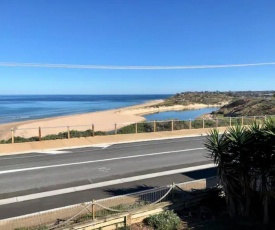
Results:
<point x="245" y="158"/>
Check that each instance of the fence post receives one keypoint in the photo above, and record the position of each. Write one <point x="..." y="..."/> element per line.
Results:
<point x="230" y="121"/>
<point x="172" y="125"/>
<point x="136" y="127"/>
<point x="12" y="136"/>
<point x="203" y="123"/>
<point x="115" y="129"/>
<point x="93" y="130"/>
<point x="93" y="210"/>
<point x="242" y="120"/>
<point x="190" y="124"/>
<point x="217" y="123"/>
<point x="265" y="117"/>
<point x="127" y="220"/>
<point x="69" y="135"/>
<point x="154" y="126"/>
<point x="39" y="133"/>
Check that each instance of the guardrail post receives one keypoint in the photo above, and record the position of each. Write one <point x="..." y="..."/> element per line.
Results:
<point x="69" y="135"/>
<point x="93" y="210"/>
<point x="12" y="136"/>
<point x="115" y="129"/>
<point x="172" y="125"/>
<point x="242" y="120"/>
<point x="190" y="124"/>
<point x="39" y="133"/>
<point x="136" y="126"/>
<point x="203" y="123"/>
<point x="93" y="130"/>
<point x="173" y="191"/>
<point x="154" y="123"/>
<point x="230" y="121"/>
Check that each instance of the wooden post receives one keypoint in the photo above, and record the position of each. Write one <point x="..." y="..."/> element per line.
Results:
<point x="93" y="209"/>
<point x="242" y="120"/>
<point x="12" y="136"/>
<point x="217" y="122"/>
<point x="136" y="127"/>
<point x="190" y="124"/>
<point x="230" y="121"/>
<point x="154" y="126"/>
<point x="115" y="129"/>
<point x="93" y="130"/>
<point x="69" y="135"/>
<point x="39" y="133"/>
<point x="128" y="220"/>
<point x="203" y="123"/>
<point x="265" y="117"/>
<point x="172" y="125"/>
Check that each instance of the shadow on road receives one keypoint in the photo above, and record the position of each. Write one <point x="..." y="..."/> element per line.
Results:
<point x="123" y="191"/>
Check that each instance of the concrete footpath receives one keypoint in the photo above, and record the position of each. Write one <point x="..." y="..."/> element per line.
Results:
<point x="21" y="148"/>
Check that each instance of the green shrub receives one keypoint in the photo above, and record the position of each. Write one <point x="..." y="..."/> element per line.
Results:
<point x="61" y="135"/>
<point x="33" y="228"/>
<point x="167" y="220"/>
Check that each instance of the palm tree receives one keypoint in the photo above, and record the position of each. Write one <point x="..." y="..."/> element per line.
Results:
<point x="230" y="153"/>
<point x="245" y="158"/>
<point x="263" y="163"/>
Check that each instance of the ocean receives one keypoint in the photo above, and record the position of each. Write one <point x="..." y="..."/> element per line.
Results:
<point x="16" y="108"/>
<point x="28" y="107"/>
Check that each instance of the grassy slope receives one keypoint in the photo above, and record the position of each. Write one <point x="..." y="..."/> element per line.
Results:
<point x="207" y="98"/>
<point x="248" y="107"/>
<point x="240" y="103"/>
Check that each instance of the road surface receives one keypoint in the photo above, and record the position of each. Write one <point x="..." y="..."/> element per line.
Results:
<point x="39" y="172"/>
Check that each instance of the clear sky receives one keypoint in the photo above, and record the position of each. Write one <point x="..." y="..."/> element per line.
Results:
<point x="143" y="32"/>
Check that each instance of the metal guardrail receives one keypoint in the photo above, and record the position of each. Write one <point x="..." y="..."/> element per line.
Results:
<point x="101" y="208"/>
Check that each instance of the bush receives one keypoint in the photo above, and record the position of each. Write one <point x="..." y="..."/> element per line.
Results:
<point x="167" y="220"/>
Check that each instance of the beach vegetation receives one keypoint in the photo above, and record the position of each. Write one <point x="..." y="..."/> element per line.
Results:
<point x="61" y="135"/>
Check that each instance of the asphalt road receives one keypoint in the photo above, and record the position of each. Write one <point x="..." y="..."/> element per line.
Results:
<point x="38" y="172"/>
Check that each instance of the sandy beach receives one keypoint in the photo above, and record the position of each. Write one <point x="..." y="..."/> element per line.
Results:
<point x="103" y="120"/>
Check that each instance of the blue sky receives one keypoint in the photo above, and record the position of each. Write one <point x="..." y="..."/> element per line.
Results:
<point x="124" y="32"/>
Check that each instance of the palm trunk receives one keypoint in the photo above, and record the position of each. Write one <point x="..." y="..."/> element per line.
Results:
<point x="266" y="213"/>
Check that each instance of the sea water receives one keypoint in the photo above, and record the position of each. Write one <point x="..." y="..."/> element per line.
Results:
<point x="28" y="107"/>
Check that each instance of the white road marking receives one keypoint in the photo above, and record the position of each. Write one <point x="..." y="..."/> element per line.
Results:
<point x="101" y="184"/>
<point x="95" y="161"/>
<point x="104" y="170"/>
<point x="53" y="152"/>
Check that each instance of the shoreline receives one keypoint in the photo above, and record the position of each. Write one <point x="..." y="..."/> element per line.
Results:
<point x="102" y="120"/>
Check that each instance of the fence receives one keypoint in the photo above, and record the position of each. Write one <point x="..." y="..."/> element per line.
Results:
<point x="66" y="132"/>
<point x="97" y="209"/>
